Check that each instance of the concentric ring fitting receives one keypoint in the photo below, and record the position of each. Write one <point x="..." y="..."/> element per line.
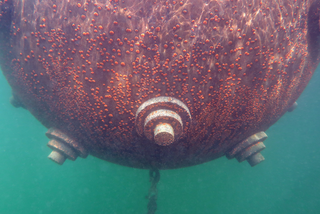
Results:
<point x="249" y="149"/>
<point x="163" y="120"/>
<point x="64" y="147"/>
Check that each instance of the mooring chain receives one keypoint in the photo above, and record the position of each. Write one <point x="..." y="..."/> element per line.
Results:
<point x="154" y="175"/>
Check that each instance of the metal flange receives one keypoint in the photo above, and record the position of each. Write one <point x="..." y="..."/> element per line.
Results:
<point x="249" y="149"/>
<point x="54" y="133"/>
<point x="163" y="120"/>
<point x="255" y="138"/>
<point x="63" y="147"/>
<point x="60" y="152"/>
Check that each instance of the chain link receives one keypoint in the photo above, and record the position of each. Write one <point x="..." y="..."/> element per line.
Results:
<point x="154" y="175"/>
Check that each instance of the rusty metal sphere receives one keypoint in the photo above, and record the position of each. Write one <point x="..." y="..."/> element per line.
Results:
<point x="158" y="84"/>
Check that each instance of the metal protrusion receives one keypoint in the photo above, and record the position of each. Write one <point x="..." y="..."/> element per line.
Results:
<point x="253" y="139"/>
<point x="57" y="157"/>
<point x="15" y="102"/>
<point x="255" y="159"/>
<point x="293" y="107"/>
<point x="163" y="134"/>
<point x="250" y="151"/>
<point x="163" y="110"/>
<point x="58" y="135"/>
<point x="61" y="149"/>
<point x="155" y="128"/>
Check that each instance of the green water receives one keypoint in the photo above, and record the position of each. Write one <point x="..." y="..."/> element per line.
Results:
<point x="287" y="182"/>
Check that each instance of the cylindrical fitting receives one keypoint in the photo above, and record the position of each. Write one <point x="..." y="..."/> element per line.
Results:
<point x="255" y="159"/>
<point x="163" y="134"/>
<point x="253" y="139"/>
<point x="249" y="149"/>
<point x="61" y="151"/>
<point x="58" y="135"/>
<point x="64" y="147"/>
<point x="57" y="157"/>
<point x="163" y="126"/>
<point x="163" y="120"/>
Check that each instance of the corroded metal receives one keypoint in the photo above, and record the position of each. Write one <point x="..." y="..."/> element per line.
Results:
<point x="64" y="147"/>
<point x="54" y="133"/>
<point x="249" y="149"/>
<point x="61" y="149"/>
<point x="164" y="134"/>
<point x="169" y="107"/>
<point x="154" y="125"/>
<point x="253" y="139"/>
<point x="163" y="120"/>
<point x="96" y="69"/>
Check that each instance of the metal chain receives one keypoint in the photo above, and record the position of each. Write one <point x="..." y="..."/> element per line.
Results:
<point x="154" y="175"/>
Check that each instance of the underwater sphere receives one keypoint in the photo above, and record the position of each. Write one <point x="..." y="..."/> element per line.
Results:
<point x="156" y="83"/>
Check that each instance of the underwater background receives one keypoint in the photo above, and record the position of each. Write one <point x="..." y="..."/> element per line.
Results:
<point x="288" y="181"/>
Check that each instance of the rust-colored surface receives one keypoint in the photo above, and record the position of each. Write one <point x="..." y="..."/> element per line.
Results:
<point x="85" y="67"/>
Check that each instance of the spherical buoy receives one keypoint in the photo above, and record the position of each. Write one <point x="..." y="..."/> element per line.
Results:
<point x="158" y="84"/>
